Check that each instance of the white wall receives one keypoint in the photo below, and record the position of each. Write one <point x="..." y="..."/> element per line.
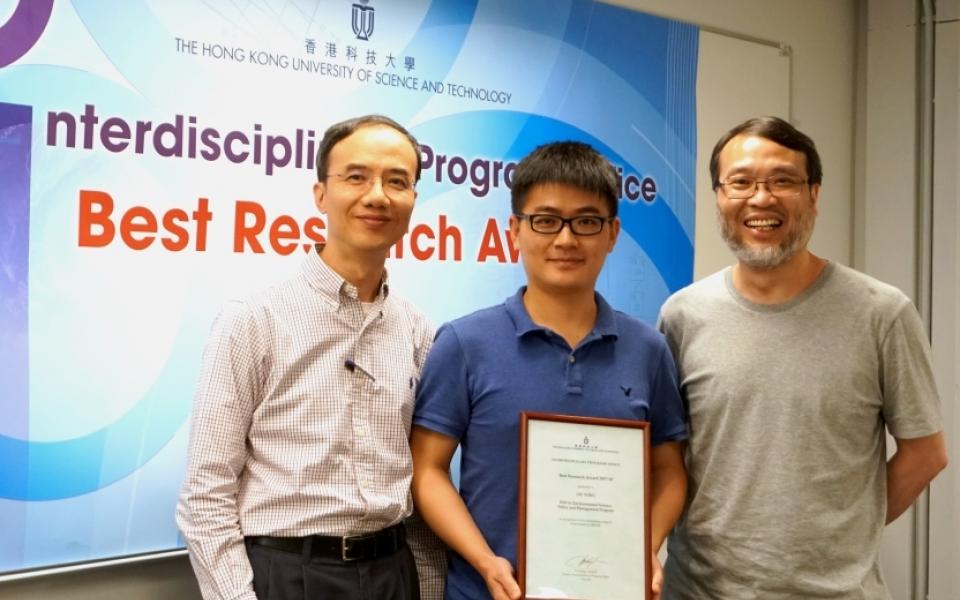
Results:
<point x="945" y="319"/>
<point x="885" y="206"/>
<point x="887" y="236"/>
<point x="717" y="110"/>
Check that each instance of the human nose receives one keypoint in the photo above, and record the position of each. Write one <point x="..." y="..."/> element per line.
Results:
<point x="375" y="192"/>
<point x="565" y="237"/>
<point x="761" y="195"/>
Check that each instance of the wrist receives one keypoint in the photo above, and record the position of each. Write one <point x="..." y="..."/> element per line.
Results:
<point x="486" y="563"/>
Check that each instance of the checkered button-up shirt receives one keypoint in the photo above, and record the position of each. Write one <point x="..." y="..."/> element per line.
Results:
<point x="301" y="423"/>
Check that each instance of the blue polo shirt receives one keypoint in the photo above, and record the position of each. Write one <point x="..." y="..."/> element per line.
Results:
<point x="487" y="367"/>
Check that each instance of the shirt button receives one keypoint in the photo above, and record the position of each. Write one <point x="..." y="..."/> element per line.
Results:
<point x="572" y="359"/>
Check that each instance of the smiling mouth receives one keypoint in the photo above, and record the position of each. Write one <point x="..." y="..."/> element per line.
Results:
<point x="373" y="219"/>
<point x="763" y="224"/>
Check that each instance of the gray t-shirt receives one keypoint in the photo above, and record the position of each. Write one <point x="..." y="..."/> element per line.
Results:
<point x="786" y="456"/>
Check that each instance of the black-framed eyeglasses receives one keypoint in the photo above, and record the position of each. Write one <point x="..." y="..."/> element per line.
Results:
<point x="579" y="225"/>
<point x="395" y="185"/>
<point x="739" y="187"/>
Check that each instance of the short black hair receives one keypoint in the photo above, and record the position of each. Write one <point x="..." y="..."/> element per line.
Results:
<point x="776" y="130"/>
<point x="338" y="131"/>
<point x="568" y="162"/>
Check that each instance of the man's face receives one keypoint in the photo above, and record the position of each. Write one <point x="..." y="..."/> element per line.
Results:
<point x="765" y="231"/>
<point x="368" y="218"/>
<point x="564" y="261"/>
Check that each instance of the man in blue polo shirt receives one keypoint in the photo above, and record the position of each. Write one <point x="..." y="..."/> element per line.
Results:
<point x="557" y="347"/>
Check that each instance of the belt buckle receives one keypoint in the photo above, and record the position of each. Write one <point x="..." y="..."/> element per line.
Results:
<point x="345" y="549"/>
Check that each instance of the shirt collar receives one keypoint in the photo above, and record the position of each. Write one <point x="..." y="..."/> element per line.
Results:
<point x="605" y="326"/>
<point x="330" y="284"/>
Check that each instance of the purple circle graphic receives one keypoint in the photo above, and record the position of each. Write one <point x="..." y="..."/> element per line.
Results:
<point x="22" y="31"/>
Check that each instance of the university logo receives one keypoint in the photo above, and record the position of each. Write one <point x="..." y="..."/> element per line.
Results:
<point x="586" y="445"/>
<point x="363" y="20"/>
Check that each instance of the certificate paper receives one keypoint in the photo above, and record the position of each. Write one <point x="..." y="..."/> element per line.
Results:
<point x="583" y="520"/>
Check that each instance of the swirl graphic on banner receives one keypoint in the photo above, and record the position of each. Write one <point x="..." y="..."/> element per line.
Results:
<point x="52" y="470"/>
<point x="23" y="29"/>
<point x="15" y="135"/>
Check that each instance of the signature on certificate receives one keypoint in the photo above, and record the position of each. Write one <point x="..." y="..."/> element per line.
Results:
<point x="585" y="564"/>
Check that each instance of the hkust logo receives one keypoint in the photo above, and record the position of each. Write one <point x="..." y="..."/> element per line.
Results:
<point x="586" y="445"/>
<point x="362" y="20"/>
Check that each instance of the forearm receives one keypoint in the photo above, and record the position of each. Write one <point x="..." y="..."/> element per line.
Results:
<point x="229" y="576"/>
<point x="208" y="513"/>
<point x="911" y="469"/>
<point x="217" y="551"/>
<point x="668" y="490"/>
<point x="903" y="487"/>
<point x="430" y="556"/>
<point x="443" y="509"/>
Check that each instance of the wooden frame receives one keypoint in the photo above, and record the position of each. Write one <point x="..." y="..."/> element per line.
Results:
<point x="595" y="475"/>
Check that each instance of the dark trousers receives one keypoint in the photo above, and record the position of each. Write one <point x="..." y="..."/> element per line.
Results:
<point x="279" y="575"/>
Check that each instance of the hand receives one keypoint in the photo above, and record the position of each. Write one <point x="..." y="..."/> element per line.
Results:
<point x="657" y="576"/>
<point x="498" y="575"/>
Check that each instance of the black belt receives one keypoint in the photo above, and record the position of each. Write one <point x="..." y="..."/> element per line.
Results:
<point x="349" y="548"/>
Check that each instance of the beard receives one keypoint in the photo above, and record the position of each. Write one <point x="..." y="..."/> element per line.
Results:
<point x="769" y="257"/>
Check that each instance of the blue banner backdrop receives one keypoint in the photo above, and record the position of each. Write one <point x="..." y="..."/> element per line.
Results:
<point x="156" y="160"/>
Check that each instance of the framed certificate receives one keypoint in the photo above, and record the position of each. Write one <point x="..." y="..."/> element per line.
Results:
<point x="584" y="508"/>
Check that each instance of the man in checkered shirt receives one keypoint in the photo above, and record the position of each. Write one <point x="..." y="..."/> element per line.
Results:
<point x="299" y="472"/>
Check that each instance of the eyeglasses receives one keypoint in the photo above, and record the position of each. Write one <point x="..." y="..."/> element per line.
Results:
<point x="395" y="185"/>
<point x="739" y="187"/>
<point x="581" y="225"/>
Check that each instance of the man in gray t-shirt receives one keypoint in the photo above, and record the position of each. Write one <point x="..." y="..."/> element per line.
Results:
<point x="791" y="367"/>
